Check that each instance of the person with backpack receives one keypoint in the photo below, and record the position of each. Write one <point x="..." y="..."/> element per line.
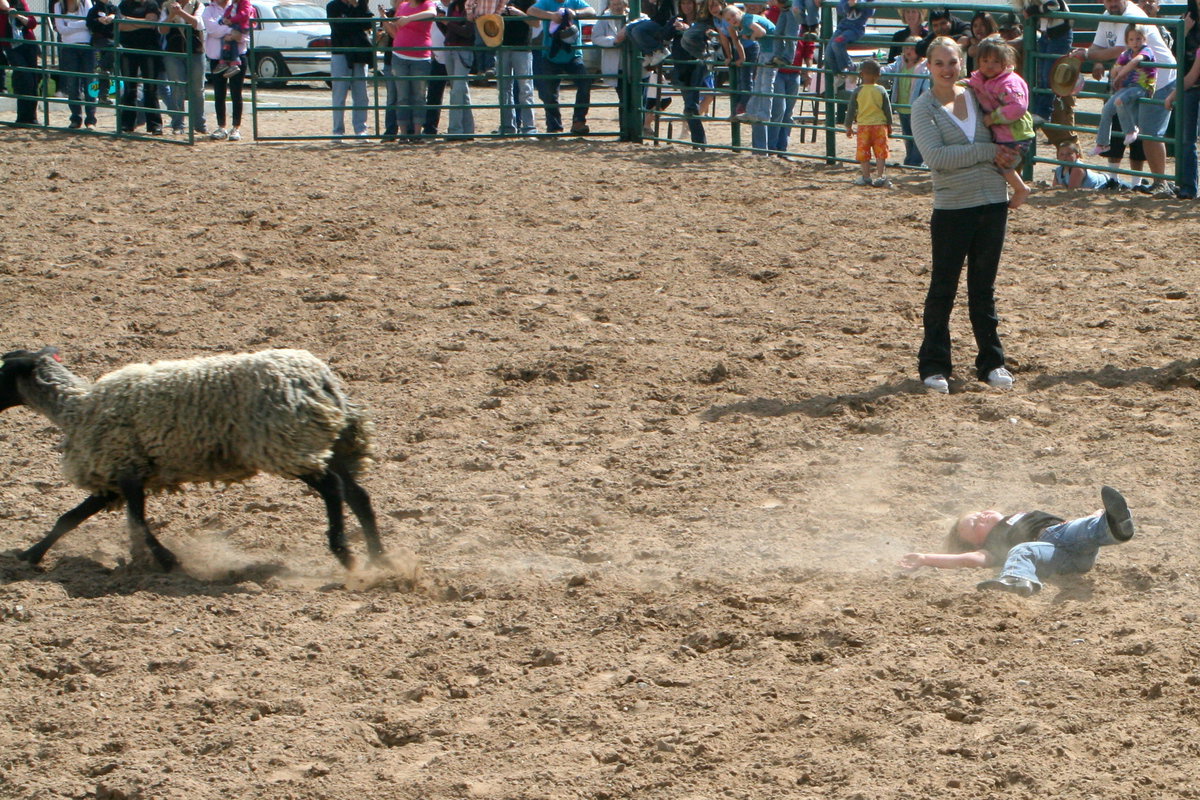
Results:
<point x="562" y="55"/>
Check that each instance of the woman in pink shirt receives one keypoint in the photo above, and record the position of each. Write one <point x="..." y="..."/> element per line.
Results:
<point x="410" y="30"/>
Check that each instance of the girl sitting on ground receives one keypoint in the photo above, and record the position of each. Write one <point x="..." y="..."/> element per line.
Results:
<point x="1030" y="546"/>
<point x="1078" y="176"/>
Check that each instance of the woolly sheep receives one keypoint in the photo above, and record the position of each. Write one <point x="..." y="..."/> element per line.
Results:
<point x="150" y="428"/>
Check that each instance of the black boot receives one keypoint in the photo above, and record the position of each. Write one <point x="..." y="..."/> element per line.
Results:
<point x="1116" y="513"/>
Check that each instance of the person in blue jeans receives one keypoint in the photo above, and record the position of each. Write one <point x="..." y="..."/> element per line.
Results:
<point x="562" y="55"/>
<point x="788" y="20"/>
<point x="1189" y="104"/>
<point x="350" y="45"/>
<point x="852" y="25"/>
<point x="1030" y="546"/>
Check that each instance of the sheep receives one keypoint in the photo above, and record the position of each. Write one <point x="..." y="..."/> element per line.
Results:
<point x="149" y="428"/>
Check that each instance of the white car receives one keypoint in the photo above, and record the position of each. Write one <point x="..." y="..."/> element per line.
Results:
<point x="290" y="38"/>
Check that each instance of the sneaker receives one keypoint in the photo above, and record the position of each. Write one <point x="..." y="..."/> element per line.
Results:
<point x="1000" y="378"/>
<point x="655" y="58"/>
<point x="1162" y="189"/>
<point x="1011" y="584"/>
<point x="106" y="101"/>
<point x="1144" y="186"/>
<point x="882" y="183"/>
<point x="178" y="131"/>
<point x="235" y="135"/>
<point x="862" y="180"/>
<point x="937" y="383"/>
<point x="1116" y="514"/>
<point x="219" y="135"/>
<point x="580" y="128"/>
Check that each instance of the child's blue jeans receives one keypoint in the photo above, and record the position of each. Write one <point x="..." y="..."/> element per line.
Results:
<point x="1067" y="548"/>
<point x="837" y="53"/>
<point x="1125" y="106"/>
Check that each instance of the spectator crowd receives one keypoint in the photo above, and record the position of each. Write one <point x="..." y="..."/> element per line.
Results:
<point x="762" y="55"/>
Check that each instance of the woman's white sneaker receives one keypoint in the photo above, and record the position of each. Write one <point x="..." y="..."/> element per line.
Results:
<point x="1000" y="378"/>
<point x="938" y="383"/>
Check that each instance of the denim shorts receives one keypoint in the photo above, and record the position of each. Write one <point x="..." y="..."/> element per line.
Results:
<point x="1154" y="119"/>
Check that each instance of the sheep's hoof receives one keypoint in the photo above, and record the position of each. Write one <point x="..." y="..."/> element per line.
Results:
<point x="33" y="556"/>
<point x="166" y="560"/>
<point x="381" y="561"/>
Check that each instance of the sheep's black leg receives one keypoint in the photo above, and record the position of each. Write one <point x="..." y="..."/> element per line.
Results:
<point x="66" y="523"/>
<point x="360" y="503"/>
<point x="139" y="530"/>
<point x="329" y="486"/>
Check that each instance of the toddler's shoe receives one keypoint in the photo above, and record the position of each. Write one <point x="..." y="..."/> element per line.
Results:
<point x="1132" y="136"/>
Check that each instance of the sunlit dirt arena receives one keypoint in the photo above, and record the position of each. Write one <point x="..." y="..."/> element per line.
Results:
<point x="650" y="443"/>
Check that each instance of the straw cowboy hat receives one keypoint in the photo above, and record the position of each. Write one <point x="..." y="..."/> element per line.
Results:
<point x="491" y="29"/>
<point x="1066" y="78"/>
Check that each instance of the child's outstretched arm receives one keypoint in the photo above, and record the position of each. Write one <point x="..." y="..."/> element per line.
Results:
<point x="976" y="558"/>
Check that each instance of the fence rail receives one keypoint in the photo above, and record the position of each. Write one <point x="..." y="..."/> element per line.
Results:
<point x="640" y="100"/>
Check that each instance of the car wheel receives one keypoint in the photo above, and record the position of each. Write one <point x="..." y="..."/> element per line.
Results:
<point x="270" y="69"/>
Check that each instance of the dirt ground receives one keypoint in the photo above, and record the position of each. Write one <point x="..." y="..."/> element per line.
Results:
<point x="650" y="442"/>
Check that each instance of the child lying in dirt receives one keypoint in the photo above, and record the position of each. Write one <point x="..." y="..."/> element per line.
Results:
<point x="1031" y="546"/>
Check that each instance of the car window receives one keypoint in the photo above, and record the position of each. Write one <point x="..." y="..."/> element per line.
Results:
<point x="306" y="14"/>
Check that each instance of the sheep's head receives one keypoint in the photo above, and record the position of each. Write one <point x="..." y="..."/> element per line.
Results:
<point x="15" y="365"/>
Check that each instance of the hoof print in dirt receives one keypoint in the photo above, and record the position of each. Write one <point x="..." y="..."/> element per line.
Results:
<point x="548" y="371"/>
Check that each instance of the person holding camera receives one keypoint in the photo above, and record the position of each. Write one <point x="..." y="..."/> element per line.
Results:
<point x="563" y="56"/>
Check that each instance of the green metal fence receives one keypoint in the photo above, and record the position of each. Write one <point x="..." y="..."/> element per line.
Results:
<point x="102" y="96"/>
<point x="622" y="115"/>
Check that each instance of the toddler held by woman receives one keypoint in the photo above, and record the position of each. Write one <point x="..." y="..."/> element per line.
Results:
<point x="1004" y="97"/>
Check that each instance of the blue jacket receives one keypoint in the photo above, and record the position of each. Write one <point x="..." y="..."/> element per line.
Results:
<point x="853" y="19"/>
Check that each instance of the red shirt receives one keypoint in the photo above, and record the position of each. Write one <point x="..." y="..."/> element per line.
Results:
<point x="21" y="7"/>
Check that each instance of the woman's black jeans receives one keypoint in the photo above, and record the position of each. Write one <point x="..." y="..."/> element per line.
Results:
<point x="975" y="235"/>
